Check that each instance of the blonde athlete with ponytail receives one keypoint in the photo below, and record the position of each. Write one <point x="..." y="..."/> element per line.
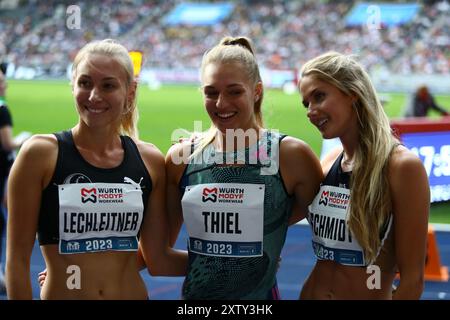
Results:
<point x="90" y="193"/>
<point x="235" y="187"/>
<point x="369" y="219"/>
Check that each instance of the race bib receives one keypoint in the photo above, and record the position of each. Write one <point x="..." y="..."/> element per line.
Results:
<point x="225" y="219"/>
<point x="99" y="216"/>
<point x="331" y="237"/>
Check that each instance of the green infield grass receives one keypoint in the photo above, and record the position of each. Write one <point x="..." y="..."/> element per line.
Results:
<point x="47" y="106"/>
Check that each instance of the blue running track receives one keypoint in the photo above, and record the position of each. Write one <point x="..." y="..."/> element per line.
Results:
<point x="297" y="261"/>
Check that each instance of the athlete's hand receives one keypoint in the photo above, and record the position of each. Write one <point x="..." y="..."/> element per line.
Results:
<point x="190" y="136"/>
<point x="41" y="277"/>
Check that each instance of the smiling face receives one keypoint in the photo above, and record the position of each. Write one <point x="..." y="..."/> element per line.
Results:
<point x="229" y="96"/>
<point x="100" y="91"/>
<point x="329" y="109"/>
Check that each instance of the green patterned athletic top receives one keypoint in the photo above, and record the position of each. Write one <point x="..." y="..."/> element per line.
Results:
<point x="223" y="277"/>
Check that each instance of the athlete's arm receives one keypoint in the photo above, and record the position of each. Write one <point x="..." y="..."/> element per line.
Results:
<point x="302" y="174"/>
<point x="410" y="200"/>
<point x="160" y="258"/>
<point x="30" y="174"/>
<point x="176" y="161"/>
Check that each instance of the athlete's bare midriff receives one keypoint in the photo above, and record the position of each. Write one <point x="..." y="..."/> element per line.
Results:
<point x="330" y="280"/>
<point x="111" y="275"/>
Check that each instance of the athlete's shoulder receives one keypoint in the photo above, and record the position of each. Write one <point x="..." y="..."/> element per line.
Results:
<point x="150" y="153"/>
<point x="153" y="161"/>
<point x="294" y="147"/>
<point x="292" y="142"/>
<point x="179" y="153"/>
<point x="147" y="149"/>
<point x="404" y="162"/>
<point x="39" y="153"/>
<point x="39" y="144"/>
<point x="298" y="161"/>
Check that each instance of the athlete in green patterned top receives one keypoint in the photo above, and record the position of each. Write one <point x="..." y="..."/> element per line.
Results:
<point x="238" y="186"/>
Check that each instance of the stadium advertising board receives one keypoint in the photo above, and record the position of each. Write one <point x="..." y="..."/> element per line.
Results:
<point x="429" y="139"/>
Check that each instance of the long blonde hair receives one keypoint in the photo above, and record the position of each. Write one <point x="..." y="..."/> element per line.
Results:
<point x="370" y="203"/>
<point x="113" y="49"/>
<point x="233" y="50"/>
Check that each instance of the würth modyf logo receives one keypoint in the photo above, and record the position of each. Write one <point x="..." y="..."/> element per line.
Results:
<point x="324" y="198"/>
<point x="88" y="195"/>
<point x="209" y="195"/>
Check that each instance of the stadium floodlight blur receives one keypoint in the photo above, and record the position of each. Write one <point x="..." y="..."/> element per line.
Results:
<point x="199" y="14"/>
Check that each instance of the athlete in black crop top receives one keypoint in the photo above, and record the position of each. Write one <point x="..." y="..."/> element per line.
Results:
<point x="384" y="201"/>
<point x="336" y="176"/>
<point x="89" y="192"/>
<point x="72" y="168"/>
<point x="332" y="238"/>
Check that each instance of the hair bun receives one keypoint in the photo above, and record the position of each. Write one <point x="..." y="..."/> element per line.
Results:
<point x="238" y="41"/>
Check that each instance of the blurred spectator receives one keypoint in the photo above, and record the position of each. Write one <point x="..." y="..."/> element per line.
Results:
<point x="8" y="144"/>
<point x="288" y="33"/>
<point x="5" y="163"/>
<point x="421" y="102"/>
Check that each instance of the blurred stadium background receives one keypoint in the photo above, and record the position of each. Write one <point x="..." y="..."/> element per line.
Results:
<point x="394" y="40"/>
<point x="402" y="44"/>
